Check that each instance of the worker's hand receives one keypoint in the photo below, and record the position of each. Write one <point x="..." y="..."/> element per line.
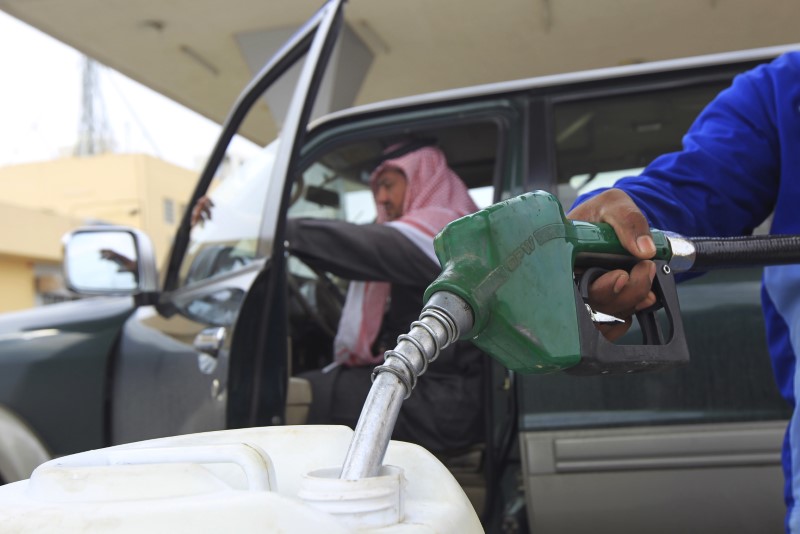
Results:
<point x="201" y="211"/>
<point x="621" y="293"/>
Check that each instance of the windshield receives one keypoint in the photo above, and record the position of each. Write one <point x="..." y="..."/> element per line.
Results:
<point x="231" y="228"/>
<point x="233" y="212"/>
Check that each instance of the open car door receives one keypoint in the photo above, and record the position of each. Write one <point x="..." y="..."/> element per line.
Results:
<point x="211" y="353"/>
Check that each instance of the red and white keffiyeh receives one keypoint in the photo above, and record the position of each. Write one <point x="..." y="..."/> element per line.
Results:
<point x="434" y="196"/>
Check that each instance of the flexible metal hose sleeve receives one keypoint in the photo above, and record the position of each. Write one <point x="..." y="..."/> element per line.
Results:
<point x="743" y="251"/>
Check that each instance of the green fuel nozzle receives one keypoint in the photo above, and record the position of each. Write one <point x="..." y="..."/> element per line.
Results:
<point x="514" y="264"/>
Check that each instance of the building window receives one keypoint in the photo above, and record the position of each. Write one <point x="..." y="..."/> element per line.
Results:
<point x="169" y="211"/>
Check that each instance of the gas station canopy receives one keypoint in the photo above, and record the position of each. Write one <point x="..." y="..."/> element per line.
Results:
<point x="201" y="53"/>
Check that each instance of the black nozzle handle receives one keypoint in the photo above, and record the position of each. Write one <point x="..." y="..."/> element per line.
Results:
<point x="706" y="253"/>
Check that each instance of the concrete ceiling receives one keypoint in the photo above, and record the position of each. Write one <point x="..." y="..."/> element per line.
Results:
<point x="192" y="50"/>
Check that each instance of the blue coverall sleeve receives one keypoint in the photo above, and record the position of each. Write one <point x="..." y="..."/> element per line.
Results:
<point x="725" y="180"/>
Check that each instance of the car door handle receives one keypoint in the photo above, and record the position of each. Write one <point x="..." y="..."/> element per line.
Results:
<point x="210" y="340"/>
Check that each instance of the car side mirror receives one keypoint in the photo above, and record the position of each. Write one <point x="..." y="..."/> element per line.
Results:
<point x="109" y="261"/>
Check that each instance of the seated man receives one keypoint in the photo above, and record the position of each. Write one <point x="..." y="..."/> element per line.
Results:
<point x="391" y="263"/>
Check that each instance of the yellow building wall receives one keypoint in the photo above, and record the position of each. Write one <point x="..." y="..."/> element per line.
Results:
<point x="43" y="201"/>
<point x="17" y="285"/>
<point x="29" y="237"/>
<point x="123" y="189"/>
<point x="99" y="187"/>
<point x="33" y="234"/>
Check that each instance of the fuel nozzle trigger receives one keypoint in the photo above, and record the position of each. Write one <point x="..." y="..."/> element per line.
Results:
<point x="584" y="279"/>
<point x="662" y="343"/>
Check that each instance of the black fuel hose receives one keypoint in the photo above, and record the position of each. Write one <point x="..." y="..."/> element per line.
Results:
<point x="744" y="251"/>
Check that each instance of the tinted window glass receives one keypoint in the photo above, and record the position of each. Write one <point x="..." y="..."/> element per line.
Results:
<point x="336" y="186"/>
<point x="228" y="239"/>
<point x="729" y="377"/>
<point x="599" y="140"/>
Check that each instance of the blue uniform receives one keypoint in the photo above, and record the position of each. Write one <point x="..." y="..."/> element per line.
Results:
<point x="740" y="161"/>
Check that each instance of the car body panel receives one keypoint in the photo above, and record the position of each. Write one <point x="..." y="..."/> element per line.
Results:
<point x="659" y="479"/>
<point x="55" y="362"/>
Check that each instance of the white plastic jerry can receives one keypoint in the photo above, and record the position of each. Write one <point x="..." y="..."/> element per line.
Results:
<point x="259" y="480"/>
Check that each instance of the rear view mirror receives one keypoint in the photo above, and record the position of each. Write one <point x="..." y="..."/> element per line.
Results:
<point x="322" y="196"/>
<point x="108" y="261"/>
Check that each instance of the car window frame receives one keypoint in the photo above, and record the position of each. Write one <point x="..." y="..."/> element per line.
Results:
<point x="293" y="51"/>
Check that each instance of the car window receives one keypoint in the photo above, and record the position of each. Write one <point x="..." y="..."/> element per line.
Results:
<point x="336" y="186"/>
<point x="228" y="237"/>
<point x="599" y="140"/>
<point x="244" y="229"/>
<point x="729" y="377"/>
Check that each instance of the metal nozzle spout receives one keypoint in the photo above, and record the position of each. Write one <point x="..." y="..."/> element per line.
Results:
<point x="439" y="325"/>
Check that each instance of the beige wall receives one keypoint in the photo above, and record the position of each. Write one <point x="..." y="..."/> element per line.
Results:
<point x="124" y="189"/>
<point x="102" y="187"/>
<point x="29" y="237"/>
<point x="17" y="285"/>
<point x="42" y="201"/>
<point x="33" y="234"/>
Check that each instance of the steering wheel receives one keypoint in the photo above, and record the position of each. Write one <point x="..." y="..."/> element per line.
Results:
<point x="299" y="188"/>
<point x="329" y="298"/>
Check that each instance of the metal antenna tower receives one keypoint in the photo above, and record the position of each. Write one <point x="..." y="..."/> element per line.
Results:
<point x="94" y="133"/>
